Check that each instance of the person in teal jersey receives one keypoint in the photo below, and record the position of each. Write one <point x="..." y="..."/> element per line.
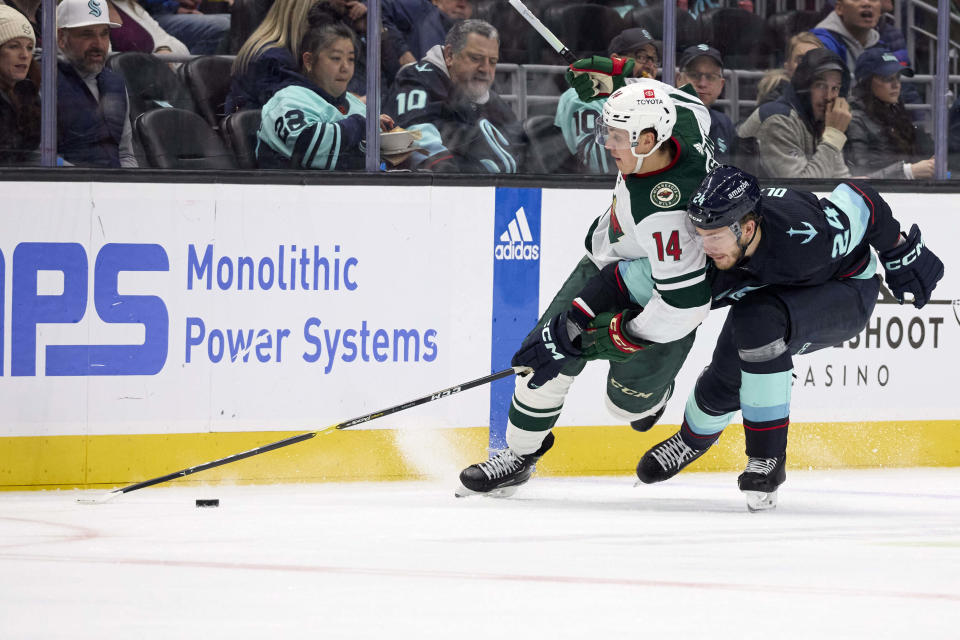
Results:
<point x="317" y="124"/>
<point x="577" y="118"/>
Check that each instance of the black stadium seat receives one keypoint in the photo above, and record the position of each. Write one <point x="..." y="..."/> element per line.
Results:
<point x="741" y="37"/>
<point x="178" y="139"/>
<point x="585" y="29"/>
<point x="151" y="83"/>
<point x="547" y="152"/>
<point x="240" y="130"/>
<point x="208" y="79"/>
<point x="651" y="19"/>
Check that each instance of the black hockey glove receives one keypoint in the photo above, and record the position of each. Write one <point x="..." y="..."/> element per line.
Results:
<point x="912" y="268"/>
<point x="548" y="350"/>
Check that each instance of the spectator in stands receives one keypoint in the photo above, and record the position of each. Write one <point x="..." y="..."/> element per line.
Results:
<point x="702" y="66"/>
<point x="139" y="32"/>
<point x="863" y="24"/>
<point x="801" y="134"/>
<point x="32" y="11"/>
<point x="850" y="29"/>
<point x="202" y="33"/>
<point x="577" y="119"/>
<point x="93" y="114"/>
<point x="464" y="125"/>
<point x="268" y="60"/>
<point x="19" y="98"/>
<point x="354" y="14"/>
<point x="773" y="83"/>
<point x="319" y="125"/>
<point x="423" y="24"/>
<point x="882" y="141"/>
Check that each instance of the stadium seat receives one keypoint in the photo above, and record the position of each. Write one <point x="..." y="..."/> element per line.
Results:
<point x="586" y="29"/>
<point x="240" y="130"/>
<point x="208" y="79"/>
<point x="782" y="26"/>
<point x="547" y="152"/>
<point x="514" y="30"/>
<point x="741" y="37"/>
<point x="245" y="17"/>
<point x="151" y="83"/>
<point x="178" y="139"/>
<point x="651" y="19"/>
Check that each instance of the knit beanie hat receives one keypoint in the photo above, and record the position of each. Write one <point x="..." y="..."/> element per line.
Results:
<point x="13" y="24"/>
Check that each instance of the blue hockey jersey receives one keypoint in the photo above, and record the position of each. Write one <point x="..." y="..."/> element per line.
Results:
<point x="805" y="241"/>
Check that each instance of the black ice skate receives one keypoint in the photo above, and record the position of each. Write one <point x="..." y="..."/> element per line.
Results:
<point x="646" y="423"/>
<point x="759" y="481"/>
<point x="666" y="459"/>
<point x="502" y="474"/>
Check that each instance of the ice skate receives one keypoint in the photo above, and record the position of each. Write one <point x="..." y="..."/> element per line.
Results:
<point x="665" y="460"/>
<point x="759" y="481"/>
<point x="646" y="423"/>
<point x="502" y="474"/>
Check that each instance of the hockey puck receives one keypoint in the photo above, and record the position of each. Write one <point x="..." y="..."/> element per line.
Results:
<point x="211" y="502"/>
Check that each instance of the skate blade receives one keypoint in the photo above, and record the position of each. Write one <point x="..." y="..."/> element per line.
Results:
<point x="760" y="500"/>
<point x="502" y="492"/>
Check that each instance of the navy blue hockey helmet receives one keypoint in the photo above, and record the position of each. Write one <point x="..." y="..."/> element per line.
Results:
<point x="725" y="195"/>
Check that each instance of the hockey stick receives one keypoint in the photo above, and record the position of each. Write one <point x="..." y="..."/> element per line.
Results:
<point x="306" y="436"/>
<point x="545" y="33"/>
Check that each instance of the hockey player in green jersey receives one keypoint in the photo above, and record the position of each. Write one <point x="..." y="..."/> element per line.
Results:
<point x="317" y="124"/>
<point x="641" y="314"/>
<point x="577" y="118"/>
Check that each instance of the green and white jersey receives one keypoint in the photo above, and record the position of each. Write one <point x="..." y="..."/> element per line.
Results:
<point x="577" y="121"/>
<point x="648" y="221"/>
<point x="298" y="123"/>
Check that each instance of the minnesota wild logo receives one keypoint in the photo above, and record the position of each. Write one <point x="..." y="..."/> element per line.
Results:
<point x="665" y="195"/>
<point x="95" y="10"/>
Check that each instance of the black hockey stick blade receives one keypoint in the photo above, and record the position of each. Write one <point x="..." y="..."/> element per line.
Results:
<point x="443" y="393"/>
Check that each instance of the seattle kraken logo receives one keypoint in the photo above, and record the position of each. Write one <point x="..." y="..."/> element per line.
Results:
<point x="810" y="232"/>
<point x="95" y="8"/>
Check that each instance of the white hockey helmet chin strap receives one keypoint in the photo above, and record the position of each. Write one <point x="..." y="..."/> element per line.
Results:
<point x="642" y="156"/>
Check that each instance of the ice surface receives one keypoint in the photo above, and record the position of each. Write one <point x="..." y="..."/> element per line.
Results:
<point x="847" y="554"/>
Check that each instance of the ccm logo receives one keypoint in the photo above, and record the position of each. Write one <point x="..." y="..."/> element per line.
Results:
<point x="31" y="309"/>
<point x="904" y="261"/>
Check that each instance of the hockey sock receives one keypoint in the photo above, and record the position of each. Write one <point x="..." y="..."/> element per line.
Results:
<point x="533" y="412"/>
<point x="765" y="404"/>
<point x="702" y="427"/>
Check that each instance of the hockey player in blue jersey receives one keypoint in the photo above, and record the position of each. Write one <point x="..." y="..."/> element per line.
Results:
<point x="799" y="274"/>
<point x="316" y="123"/>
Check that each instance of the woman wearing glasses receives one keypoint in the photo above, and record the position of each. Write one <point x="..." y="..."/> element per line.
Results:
<point x="882" y="141"/>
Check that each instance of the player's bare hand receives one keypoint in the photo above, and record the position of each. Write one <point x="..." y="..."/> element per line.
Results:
<point x="838" y="114"/>
<point x="923" y="170"/>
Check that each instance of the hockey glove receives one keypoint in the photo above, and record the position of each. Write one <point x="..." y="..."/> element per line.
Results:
<point x="607" y="339"/>
<point x="912" y="268"/>
<point x="598" y="77"/>
<point x="548" y="350"/>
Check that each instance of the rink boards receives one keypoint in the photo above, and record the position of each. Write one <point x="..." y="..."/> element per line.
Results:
<point x="148" y="327"/>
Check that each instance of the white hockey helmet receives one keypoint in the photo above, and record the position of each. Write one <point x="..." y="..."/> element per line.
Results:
<point x="641" y="105"/>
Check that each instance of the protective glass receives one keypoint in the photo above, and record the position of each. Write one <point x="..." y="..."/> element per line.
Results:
<point x="612" y="138"/>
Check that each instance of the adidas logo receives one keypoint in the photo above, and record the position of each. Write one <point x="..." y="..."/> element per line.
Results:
<point x="516" y="243"/>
